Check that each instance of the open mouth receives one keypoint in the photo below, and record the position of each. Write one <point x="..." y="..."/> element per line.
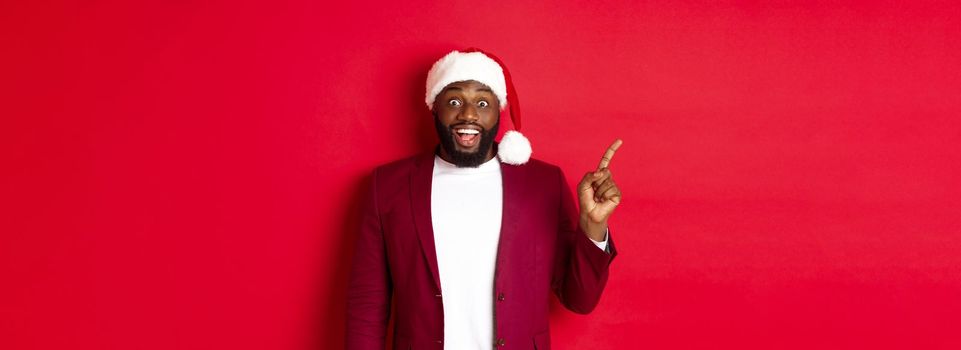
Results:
<point x="466" y="137"/>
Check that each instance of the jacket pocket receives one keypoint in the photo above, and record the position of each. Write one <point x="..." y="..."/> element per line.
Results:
<point x="542" y="340"/>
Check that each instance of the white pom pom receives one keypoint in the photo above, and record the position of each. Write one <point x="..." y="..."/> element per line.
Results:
<point x="514" y="148"/>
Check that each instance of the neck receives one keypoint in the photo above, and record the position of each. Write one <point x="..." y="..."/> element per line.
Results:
<point x="443" y="153"/>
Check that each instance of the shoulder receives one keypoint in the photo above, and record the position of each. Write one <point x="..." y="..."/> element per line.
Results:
<point x="401" y="170"/>
<point x="391" y="181"/>
<point x="398" y="167"/>
<point x="537" y="173"/>
<point x="539" y="168"/>
<point x="535" y="163"/>
<point x="405" y="166"/>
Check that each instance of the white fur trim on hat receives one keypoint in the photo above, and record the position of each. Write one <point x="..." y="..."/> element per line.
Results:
<point x="462" y="66"/>
<point x="514" y="148"/>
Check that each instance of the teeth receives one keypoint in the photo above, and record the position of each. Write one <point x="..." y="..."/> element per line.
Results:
<point x="468" y="131"/>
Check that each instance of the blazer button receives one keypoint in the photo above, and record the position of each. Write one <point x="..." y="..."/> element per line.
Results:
<point x="500" y="341"/>
<point x="437" y="295"/>
<point x="500" y="296"/>
<point x="440" y="341"/>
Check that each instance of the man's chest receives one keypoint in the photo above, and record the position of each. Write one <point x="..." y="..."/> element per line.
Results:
<point x="468" y="206"/>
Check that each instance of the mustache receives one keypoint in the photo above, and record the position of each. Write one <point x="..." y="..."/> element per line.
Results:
<point x="452" y="126"/>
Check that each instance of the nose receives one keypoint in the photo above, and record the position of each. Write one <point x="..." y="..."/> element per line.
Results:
<point x="468" y="113"/>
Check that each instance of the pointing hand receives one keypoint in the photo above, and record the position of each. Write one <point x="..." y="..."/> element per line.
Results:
<point x="598" y="196"/>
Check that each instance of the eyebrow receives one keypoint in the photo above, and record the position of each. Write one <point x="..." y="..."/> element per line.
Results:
<point x="458" y="88"/>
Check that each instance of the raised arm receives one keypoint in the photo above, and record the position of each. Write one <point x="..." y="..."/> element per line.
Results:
<point x="581" y="269"/>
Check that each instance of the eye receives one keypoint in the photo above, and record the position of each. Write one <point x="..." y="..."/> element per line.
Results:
<point x="482" y="104"/>
<point x="453" y="102"/>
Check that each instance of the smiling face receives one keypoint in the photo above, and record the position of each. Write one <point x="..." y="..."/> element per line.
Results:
<point x="466" y="115"/>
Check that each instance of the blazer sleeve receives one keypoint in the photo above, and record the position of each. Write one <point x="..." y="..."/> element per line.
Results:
<point x="580" y="270"/>
<point x="370" y="287"/>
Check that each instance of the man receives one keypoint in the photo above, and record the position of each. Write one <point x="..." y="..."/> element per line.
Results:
<point x="470" y="248"/>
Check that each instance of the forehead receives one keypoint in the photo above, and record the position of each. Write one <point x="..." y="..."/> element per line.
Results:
<point x="467" y="86"/>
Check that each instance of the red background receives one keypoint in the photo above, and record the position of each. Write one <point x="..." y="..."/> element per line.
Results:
<point x="184" y="175"/>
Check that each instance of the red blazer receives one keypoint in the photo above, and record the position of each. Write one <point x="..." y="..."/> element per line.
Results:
<point x="541" y="250"/>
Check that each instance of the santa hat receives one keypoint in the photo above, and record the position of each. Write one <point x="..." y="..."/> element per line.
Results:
<point x="474" y="64"/>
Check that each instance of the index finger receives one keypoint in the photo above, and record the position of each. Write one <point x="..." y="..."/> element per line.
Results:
<point x="606" y="159"/>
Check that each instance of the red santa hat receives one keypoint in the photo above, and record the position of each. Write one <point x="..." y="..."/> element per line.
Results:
<point x="474" y="64"/>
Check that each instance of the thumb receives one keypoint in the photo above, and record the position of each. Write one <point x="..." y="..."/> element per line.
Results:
<point x="585" y="192"/>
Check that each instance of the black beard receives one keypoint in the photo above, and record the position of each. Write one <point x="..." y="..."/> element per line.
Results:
<point x="465" y="159"/>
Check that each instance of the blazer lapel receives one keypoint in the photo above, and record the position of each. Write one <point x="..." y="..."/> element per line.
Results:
<point x="511" y="183"/>
<point x="420" y="191"/>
